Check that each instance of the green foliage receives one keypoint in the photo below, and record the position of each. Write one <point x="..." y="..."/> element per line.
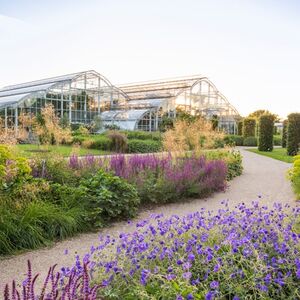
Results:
<point x="294" y="175"/>
<point x="215" y="121"/>
<point x="166" y="124"/>
<point x="12" y="167"/>
<point x="258" y="113"/>
<point x="233" y="140"/>
<point x="100" y="142"/>
<point x="249" y="127"/>
<point x="250" y="141"/>
<point x="265" y="132"/>
<point x="277" y="140"/>
<point x="284" y="133"/>
<point x="293" y="134"/>
<point x="118" y="141"/>
<point x="109" y="197"/>
<point x="240" y="127"/>
<point x="143" y="135"/>
<point x="233" y="160"/>
<point x="143" y="146"/>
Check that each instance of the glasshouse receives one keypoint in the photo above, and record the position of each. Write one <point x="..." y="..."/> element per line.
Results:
<point x="82" y="96"/>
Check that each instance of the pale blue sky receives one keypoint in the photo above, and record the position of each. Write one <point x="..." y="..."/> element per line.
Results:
<point x="249" y="49"/>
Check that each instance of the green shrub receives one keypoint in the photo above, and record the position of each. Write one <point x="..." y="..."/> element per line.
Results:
<point x="143" y="146"/>
<point x="118" y="141"/>
<point x="143" y="135"/>
<point x="294" y="175"/>
<point x="108" y="197"/>
<point x="265" y="132"/>
<point x="277" y="140"/>
<point x="293" y="134"/>
<point x="101" y="142"/>
<point x="249" y="125"/>
<point x="284" y="133"/>
<point x="233" y="140"/>
<point x="233" y="160"/>
<point x="78" y="139"/>
<point x="250" y="141"/>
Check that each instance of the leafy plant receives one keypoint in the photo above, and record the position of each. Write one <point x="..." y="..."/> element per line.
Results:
<point x="108" y="197"/>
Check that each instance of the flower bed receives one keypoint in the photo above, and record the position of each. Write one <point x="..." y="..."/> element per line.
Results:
<point x="247" y="253"/>
<point x="53" y="199"/>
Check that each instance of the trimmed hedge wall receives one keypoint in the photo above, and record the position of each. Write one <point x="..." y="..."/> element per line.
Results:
<point x="143" y="146"/>
<point x="277" y="140"/>
<point x="293" y="134"/>
<point x="265" y="133"/>
<point x="250" y="141"/>
<point x="249" y="127"/>
<point x="284" y="134"/>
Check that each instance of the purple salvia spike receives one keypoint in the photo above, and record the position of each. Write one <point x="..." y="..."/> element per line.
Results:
<point x="94" y="292"/>
<point x="29" y="278"/>
<point x="14" y="290"/>
<point x="32" y="287"/>
<point x="45" y="284"/>
<point x="24" y="293"/>
<point x="85" y="282"/>
<point x="74" y="288"/>
<point x="18" y="295"/>
<point x="6" y="292"/>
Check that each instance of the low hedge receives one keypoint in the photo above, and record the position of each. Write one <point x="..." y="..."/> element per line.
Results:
<point x="233" y="140"/>
<point x="143" y="135"/>
<point x="250" y="141"/>
<point x="277" y="140"/>
<point x="101" y="142"/>
<point x="143" y="146"/>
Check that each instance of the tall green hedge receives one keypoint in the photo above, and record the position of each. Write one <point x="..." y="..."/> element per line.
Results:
<point x="265" y="132"/>
<point x="293" y="134"/>
<point x="240" y="127"/>
<point x="249" y="127"/>
<point x="284" y="133"/>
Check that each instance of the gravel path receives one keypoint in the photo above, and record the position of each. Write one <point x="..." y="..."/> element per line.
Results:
<point x="262" y="176"/>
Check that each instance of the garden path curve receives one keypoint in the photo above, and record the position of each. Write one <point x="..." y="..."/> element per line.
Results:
<point x="263" y="177"/>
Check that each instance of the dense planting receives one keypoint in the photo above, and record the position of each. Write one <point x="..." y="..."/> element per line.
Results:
<point x="51" y="199"/>
<point x="265" y="133"/>
<point x="120" y="141"/>
<point x="294" y="175"/>
<point x="247" y="253"/>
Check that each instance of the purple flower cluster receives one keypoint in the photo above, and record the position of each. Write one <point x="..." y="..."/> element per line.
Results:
<point x="246" y="253"/>
<point x="180" y="176"/>
<point x="251" y="252"/>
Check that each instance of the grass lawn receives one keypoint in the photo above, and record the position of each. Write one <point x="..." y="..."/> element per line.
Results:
<point x="277" y="153"/>
<point x="32" y="150"/>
